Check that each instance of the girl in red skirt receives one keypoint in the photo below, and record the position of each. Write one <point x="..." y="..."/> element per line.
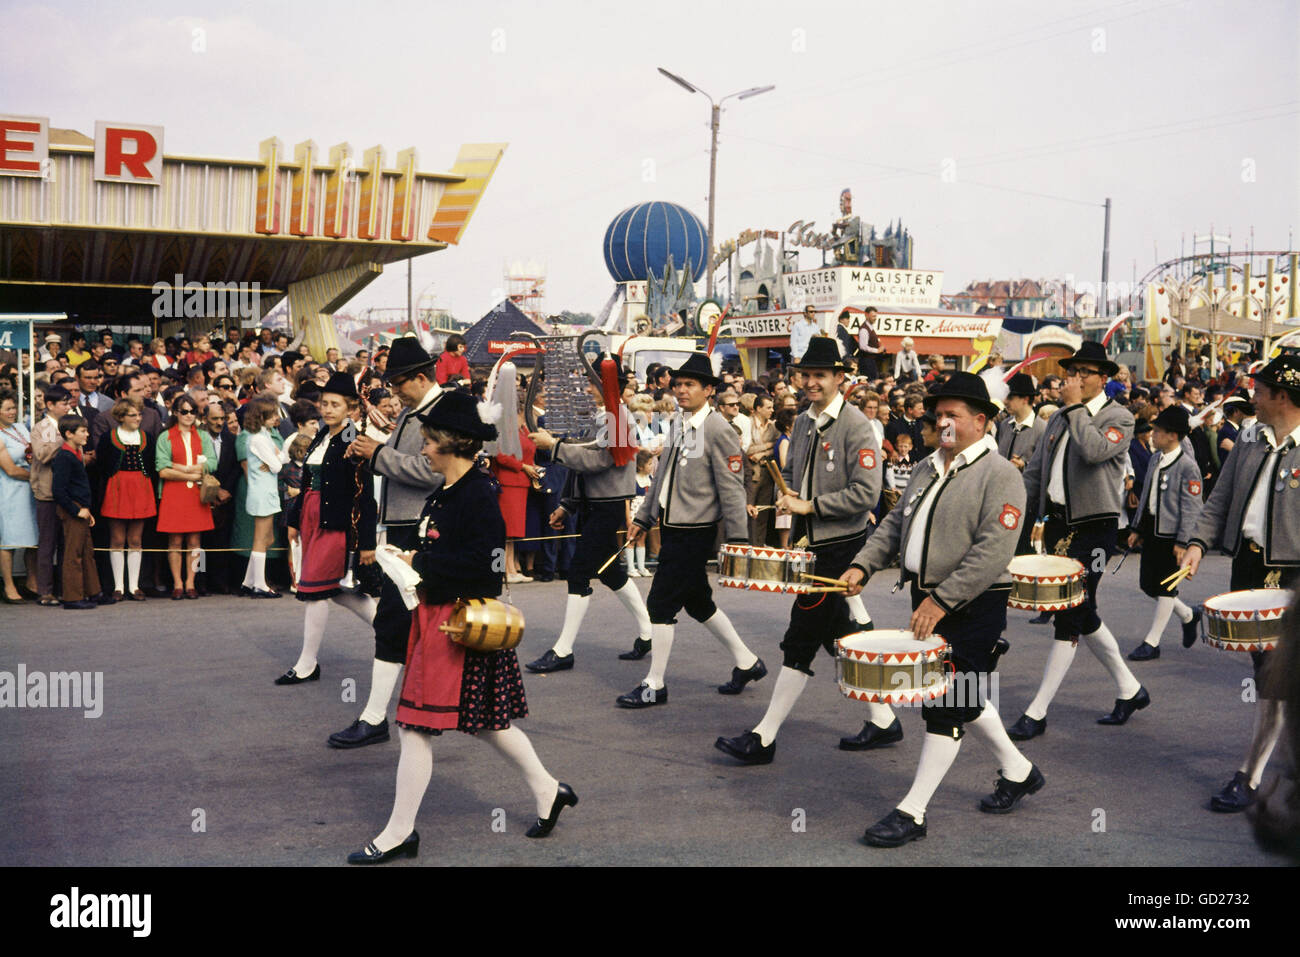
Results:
<point x="446" y="685"/>
<point x="126" y="458"/>
<point x="184" y="453"/>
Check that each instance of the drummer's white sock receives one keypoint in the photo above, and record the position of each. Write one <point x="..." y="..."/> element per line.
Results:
<point x="988" y="727"/>
<point x="661" y="646"/>
<point x="117" y="559"/>
<point x="414" y="768"/>
<point x="383" y="678"/>
<point x="518" y="750"/>
<point x="257" y="566"/>
<point x="1268" y="725"/>
<point x="721" y="627"/>
<point x="938" y="751"/>
<point x="640" y="560"/>
<point x="363" y="606"/>
<point x="133" y="569"/>
<point x="1182" y="611"/>
<point x="314" y="619"/>
<point x="1102" y="644"/>
<point x="789" y="686"/>
<point x="858" y="609"/>
<point x="881" y="715"/>
<point x="1059" y="660"/>
<point x="1164" y="608"/>
<point x="575" y="609"/>
<point x="633" y="602"/>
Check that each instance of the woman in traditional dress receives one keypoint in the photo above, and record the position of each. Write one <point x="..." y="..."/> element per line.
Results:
<point x="184" y="454"/>
<point x="447" y="686"/>
<point x="126" y="461"/>
<point x="335" y="515"/>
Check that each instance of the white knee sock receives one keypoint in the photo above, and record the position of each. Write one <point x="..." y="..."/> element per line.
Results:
<point x="938" y="752"/>
<point x="117" y="559"/>
<point x="721" y="627"/>
<point x="1058" y="663"/>
<point x="1182" y="611"/>
<point x="988" y="728"/>
<point x="1268" y="725"/>
<point x="858" y="609"/>
<point x="314" y="620"/>
<point x="575" y="609"/>
<point x="881" y="715"/>
<point x="518" y="750"/>
<point x="640" y="560"/>
<point x="133" y="569"/>
<point x="250" y="571"/>
<point x="1164" y="608"/>
<point x="363" y="606"/>
<point x="661" y="646"/>
<point x="629" y="559"/>
<point x="295" y="556"/>
<point x="257" y="566"/>
<point x="383" y="678"/>
<point x="633" y="602"/>
<point x="1102" y="644"/>
<point x="789" y="686"/>
<point x="414" y="768"/>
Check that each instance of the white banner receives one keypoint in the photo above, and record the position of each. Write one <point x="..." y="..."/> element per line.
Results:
<point x="763" y="324"/>
<point x="834" y="287"/>
<point x="937" y="327"/>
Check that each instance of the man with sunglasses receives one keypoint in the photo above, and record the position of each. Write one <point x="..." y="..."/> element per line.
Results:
<point x="1074" y="487"/>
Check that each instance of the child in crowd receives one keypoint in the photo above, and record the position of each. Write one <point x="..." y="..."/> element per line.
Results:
<point x="290" y="484"/>
<point x="71" y="490"/>
<point x="635" y="555"/>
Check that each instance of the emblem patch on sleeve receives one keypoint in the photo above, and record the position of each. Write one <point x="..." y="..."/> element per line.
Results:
<point x="1115" y="435"/>
<point x="1010" y="517"/>
<point x="1194" y="486"/>
<point x="867" y="458"/>
<point x="733" y="463"/>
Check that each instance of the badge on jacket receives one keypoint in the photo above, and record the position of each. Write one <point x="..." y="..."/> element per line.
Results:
<point x="733" y="463"/>
<point x="1115" y="435"/>
<point x="1010" y="517"/>
<point x="1193" y="486"/>
<point x="867" y="458"/>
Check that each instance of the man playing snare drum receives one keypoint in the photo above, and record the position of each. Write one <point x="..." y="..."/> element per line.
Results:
<point x="954" y="533"/>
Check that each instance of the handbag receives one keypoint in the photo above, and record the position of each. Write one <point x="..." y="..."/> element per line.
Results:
<point x="209" y="489"/>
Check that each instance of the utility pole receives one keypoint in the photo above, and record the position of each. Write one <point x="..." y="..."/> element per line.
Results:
<point x="1105" y="262"/>
<point x="713" y="181"/>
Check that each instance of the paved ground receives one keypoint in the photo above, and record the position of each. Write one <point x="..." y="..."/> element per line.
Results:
<point x="193" y="727"/>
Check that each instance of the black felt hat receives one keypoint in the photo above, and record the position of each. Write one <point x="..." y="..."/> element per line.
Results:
<point x="697" y="366"/>
<point x="1092" y="352"/>
<point x="623" y="374"/>
<point x="406" y="357"/>
<point x="965" y="386"/>
<point x="823" y="353"/>
<point x="1282" y="373"/>
<point x="459" y="412"/>
<point x="1022" y="384"/>
<point x="340" y="383"/>
<point x="1174" y="419"/>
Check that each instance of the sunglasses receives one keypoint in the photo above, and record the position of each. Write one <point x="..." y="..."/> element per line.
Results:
<point x="186" y="412"/>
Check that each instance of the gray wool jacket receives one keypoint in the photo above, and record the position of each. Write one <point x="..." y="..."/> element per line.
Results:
<point x="703" y="468"/>
<point x="1094" y="466"/>
<point x="1178" y="497"/>
<point x="408" y="478"/>
<point x="599" y="479"/>
<point x="1021" y="442"/>
<point x="1224" y="512"/>
<point x="847" y="470"/>
<point x="970" y="537"/>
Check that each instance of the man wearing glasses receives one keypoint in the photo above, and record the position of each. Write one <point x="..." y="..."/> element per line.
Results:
<point x="1074" y="487"/>
<point x="801" y="333"/>
<point x="224" y="386"/>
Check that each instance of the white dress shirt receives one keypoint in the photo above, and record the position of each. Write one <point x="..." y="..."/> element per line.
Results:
<point x="1166" y="458"/>
<point x="1252" y="523"/>
<point x="823" y="420"/>
<point x="1056" y="484"/>
<point x="915" y="544"/>
<point x="678" y="453"/>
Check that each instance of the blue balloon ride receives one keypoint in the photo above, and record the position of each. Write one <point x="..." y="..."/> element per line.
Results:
<point x="640" y="240"/>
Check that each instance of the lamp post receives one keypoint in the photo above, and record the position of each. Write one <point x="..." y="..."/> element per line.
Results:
<point x="715" y="115"/>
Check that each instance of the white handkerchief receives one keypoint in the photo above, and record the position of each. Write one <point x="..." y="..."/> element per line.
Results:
<point x="403" y="575"/>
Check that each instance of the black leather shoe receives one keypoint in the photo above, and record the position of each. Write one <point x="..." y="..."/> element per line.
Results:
<point x="747" y="748"/>
<point x="263" y="593"/>
<point x="246" y="592"/>
<point x="640" y="648"/>
<point x="1237" y="796"/>
<point x="564" y="797"/>
<point x="291" y="677"/>
<point x="741" y="678"/>
<point x="1007" y="793"/>
<point x="1124" y="708"/>
<point x="1192" y="628"/>
<point x="359" y="734"/>
<point x="1042" y="618"/>
<point x="1144" y="652"/>
<point x="551" y="662"/>
<point x="544" y="577"/>
<point x="105" y="598"/>
<point x="84" y="605"/>
<point x="872" y="736"/>
<point x="373" y="855"/>
<point x="642" y="696"/>
<point x="894" y="830"/>
<point x="1026" y="728"/>
<point x="869" y="626"/>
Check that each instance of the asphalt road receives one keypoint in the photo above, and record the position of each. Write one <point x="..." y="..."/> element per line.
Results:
<point x="198" y="759"/>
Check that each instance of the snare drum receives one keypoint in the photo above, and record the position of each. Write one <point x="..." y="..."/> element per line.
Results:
<point x="1248" y="620"/>
<point x="892" y="667"/>
<point x="1046" y="583"/>
<point x="485" y="624"/>
<point x="758" y="568"/>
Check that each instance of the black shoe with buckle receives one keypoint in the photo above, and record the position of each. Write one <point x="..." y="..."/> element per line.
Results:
<point x="551" y="662"/>
<point x="1237" y="796"/>
<point x="359" y="734"/>
<point x="373" y="855"/>
<point x="747" y="748"/>
<point x="1026" y="728"/>
<point x="741" y="678"/>
<point x="564" y="797"/>
<point x="640" y="648"/>
<point x="642" y="696"/>
<point x="894" y="830"/>
<point x="1144" y="652"/>
<point x="1124" y="708"/>
<point x="291" y="677"/>
<point x="1042" y="618"/>
<point x="872" y="736"/>
<point x="1006" y="794"/>
<point x="1192" y="628"/>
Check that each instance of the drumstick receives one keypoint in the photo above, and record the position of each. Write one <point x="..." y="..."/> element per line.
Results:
<point x="817" y="591"/>
<point x="819" y="578"/>
<point x="1121" y="562"/>
<point x="609" y="561"/>
<point x="776" y="477"/>
<point x="1172" y="582"/>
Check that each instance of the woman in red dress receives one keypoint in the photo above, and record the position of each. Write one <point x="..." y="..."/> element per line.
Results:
<point x="184" y="453"/>
<point x="125" y="457"/>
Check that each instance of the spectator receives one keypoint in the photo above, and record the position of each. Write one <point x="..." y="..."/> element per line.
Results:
<point x="452" y="368"/>
<point x="784" y="421"/>
<point x="201" y="352"/>
<point x="184" y="454"/>
<point x="77" y="352"/>
<point x="125" y="458"/>
<point x="801" y="333"/>
<point x="17" y="506"/>
<point x="514" y="468"/>
<point x="289" y="483"/>
<point x="217" y="578"/>
<point x="907" y="364"/>
<point x="70" y="486"/>
<point x="260" y="442"/>
<point x="46" y="441"/>
<point x="759" y="484"/>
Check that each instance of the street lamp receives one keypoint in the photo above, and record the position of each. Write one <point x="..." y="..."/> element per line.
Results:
<point x="713" y="154"/>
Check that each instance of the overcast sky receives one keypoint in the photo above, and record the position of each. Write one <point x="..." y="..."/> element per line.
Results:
<point x="994" y="130"/>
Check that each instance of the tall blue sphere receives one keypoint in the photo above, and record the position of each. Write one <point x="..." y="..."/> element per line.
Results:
<point x="641" y="238"/>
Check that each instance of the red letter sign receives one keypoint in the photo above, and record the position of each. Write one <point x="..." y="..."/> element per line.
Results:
<point x="24" y="145"/>
<point x="128" y="153"/>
